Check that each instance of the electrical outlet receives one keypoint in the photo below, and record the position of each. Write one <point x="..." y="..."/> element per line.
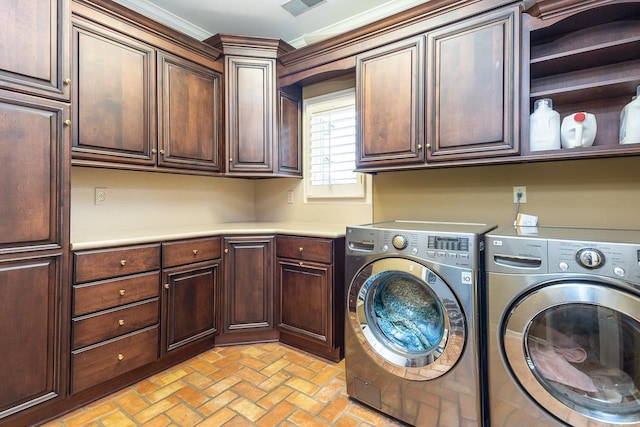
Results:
<point x="523" y="197"/>
<point x="290" y="197"/>
<point x="101" y="196"/>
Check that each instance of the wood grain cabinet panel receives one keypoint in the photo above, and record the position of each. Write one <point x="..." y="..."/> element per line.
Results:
<point x="113" y="262"/>
<point x="114" y="97"/>
<point x="189" y="109"/>
<point x="30" y="333"/>
<point x="34" y="47"/>
<point x="290" y="131"/>
<point x="472" y="110"/>
<point x="390" y="105"/>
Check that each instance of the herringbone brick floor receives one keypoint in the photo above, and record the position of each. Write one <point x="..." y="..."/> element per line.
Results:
<point x="262" y="385"/>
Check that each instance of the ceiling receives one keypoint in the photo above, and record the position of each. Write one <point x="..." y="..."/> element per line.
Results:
<point x="267" y="18"/>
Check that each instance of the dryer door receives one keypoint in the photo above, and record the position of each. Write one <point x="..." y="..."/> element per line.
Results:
<point x="575" y="348"/>
<point x="406" y="318"/>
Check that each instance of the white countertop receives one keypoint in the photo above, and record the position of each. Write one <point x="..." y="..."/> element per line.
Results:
<point x="111" y="238"/>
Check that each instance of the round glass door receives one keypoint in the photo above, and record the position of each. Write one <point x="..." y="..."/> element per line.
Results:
<point x="575" y="347"/>
<point x="407" y="318"/>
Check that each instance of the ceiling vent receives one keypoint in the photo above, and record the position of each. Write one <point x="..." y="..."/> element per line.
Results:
<point x="297" y="7"/>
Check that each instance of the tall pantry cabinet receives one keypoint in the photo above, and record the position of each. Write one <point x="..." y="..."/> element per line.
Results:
<point x="34" y="212"/>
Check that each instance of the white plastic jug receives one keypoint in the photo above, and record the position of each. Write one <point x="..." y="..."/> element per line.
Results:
<point x="578" y="130"/>
<point x="630" y="121"/>
<point x="544" y="126"/>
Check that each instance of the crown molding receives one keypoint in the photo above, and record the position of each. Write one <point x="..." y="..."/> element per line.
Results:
<point x="159" y="14"/>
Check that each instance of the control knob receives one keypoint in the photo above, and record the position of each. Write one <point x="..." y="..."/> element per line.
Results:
<point x="399" y="241"/>
<point x="590" y="258"/>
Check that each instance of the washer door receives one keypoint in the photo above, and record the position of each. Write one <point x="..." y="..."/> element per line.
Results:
<point x="406" y="318"/>
<point x="575" y="348"/>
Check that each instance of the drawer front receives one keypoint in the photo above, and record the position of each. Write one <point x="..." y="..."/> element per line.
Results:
<point x="100" y="363"/>
<point x="190" y="251"/>
<point x="105" y="263"/>
<point x="305" y="248"/>
<point x="97" y="296"/>
<point x="102" y="326"/>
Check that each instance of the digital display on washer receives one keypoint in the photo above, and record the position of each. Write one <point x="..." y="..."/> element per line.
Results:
<point x="448" y="243"/>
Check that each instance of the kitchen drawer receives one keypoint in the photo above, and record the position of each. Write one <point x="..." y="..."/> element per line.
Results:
<point x="190" y="251"/>
<point x="96" y="364"/>
<point x="305" y="248"/>
<point x="104" y="325"/>
<point x="105" y="263"/>
<point x="96" y="296"/>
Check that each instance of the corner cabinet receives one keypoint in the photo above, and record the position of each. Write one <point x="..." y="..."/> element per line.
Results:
<point x="248" y="291"/>
<point x="35" y="47"/>
<point x="472" y="87"/>
<point x="584" y="57"/>
<point x="258" y="132"/>
<point x="310" y="294"/>
<point x="140" y="102"/>
<point x="34" y="171"/>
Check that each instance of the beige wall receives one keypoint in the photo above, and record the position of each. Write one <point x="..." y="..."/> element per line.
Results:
<point x="152" y="200"/>
<point x="583" y="193"/>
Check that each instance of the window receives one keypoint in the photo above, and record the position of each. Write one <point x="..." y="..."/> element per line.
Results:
<point x="330" y="147"/>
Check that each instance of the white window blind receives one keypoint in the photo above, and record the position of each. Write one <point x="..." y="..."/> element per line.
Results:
<point x="331" y="148"/>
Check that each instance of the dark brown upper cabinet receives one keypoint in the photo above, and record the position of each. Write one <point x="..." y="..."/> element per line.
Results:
<point x="390" y="105"/>
<point x="35" y="47"/>
<point x="142" y="101"/>
<point x="253" y="118"/>
<point x="472" y="88"/>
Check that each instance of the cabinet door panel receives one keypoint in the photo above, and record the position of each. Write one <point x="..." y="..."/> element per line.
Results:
<point x="34" y="47"/>
<point x="32" y="143"/>
<point x="390" y="103"/>
<point x="472" y="82"/>
<point x="189" y="102"/>
<point x="113" y="95"/>
<point x="190" y="302"/>
<point x="290" y="132"/>
<point x="29" y="333"/>
<point x="251" y="104"/>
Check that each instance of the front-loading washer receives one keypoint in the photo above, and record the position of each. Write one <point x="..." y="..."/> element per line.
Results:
<point x="411" y="335"/>
<point x="564" y="327"/>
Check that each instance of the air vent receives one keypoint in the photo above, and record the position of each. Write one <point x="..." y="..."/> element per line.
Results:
<point x="297" y="7"/>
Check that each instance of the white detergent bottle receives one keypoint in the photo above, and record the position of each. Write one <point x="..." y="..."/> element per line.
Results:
<point x="578" y="130"/>
<point x="630" y="121"/>
<point x="544" y="126"/>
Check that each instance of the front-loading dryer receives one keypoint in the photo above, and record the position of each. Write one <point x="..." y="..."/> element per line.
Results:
<point x="564" y="327"/>
<point x="411" y="335"/>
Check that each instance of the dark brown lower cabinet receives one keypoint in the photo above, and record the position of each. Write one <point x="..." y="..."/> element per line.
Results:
<point x="248" y="294"/>
<point x="311" y="294"/>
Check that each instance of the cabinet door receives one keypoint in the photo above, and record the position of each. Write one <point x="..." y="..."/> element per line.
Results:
<point x="189" y="112"/>
<point x="35" y="48"/>
<point x="29" y="333"/>
<point x="473" y="91"/>
<point x="250" y="114"/>
<point x="248" y="294"/>
<point x="189" y="304"/>
<point x="33" y="167"/>
<point x="114" y="96"/>
<point x="290" y="131"/>
<point x="390" y="105"/>
<point x="305" y="294"/>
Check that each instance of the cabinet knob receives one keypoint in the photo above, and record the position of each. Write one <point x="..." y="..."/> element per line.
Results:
<point x="161" y="151"/>
<point x="300" y="249"/>
<point x="226" y="251"/>
<point x="166" y="286"/>
<point x="154" y="151"/>
<point x="195" y="252"/>
<point x="120" y="356"/>
<point x="122" y="292"/>
<point x="428" y="145"/>
<point x="230" y="159"/>
<point x="419" y="146"/>
<point x="301" y="263"/>
<point x="121" y="322"/>
<point x="123" y="262"/>
<point x="67" y="81"/>
<point x="67" y="122"/>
